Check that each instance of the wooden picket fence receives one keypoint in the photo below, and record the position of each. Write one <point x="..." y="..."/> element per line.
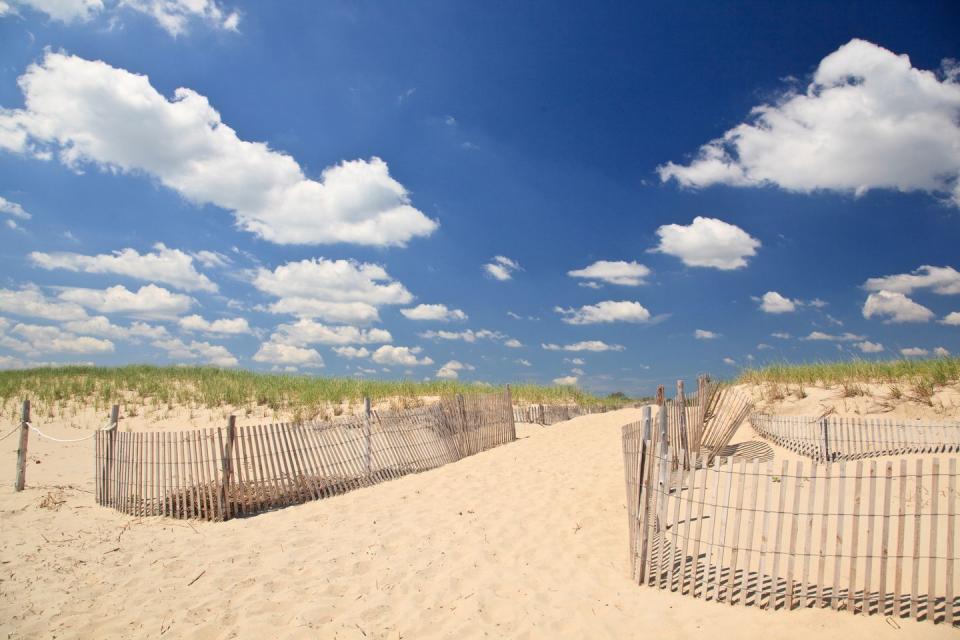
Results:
<point x="218" y="474"/>
<point x="547" y="414"/>
<point x="866" y="537"/>
<point x="836" y="438"/>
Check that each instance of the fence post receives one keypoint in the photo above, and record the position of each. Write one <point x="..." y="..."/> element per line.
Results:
<point x="111" y="448"/>
<point x="22" y="450"/>
<point x="826" y="440"/>
<point x="647" y="422"/>
<point x="366" y="431"/>
<point x="664" y="479"/>
<point x="227" y="466"/>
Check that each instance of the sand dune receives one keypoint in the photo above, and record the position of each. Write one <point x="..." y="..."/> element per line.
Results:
<point x="525" y="541"/>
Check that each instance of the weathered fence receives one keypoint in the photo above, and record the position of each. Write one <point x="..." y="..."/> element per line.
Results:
<point x="217" y="474"/>
<point x="865" y="537"/>
<point x="547" y="414"/>
<point x="835" y="438"/>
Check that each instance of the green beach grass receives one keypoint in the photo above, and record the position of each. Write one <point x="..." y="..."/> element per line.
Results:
<point x="932" y="372"/>
<point x="211" y="387"/>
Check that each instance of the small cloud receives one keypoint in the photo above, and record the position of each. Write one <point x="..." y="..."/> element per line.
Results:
<point x="869" y="347"/>
<point x="566" y="381"/>
<point x="501" y="268"/>
<point x="913" y="352"/>
<point x="703" y="334"/>
<point x="773" y="302"/>
<point x="730" y="361"/>
<point x="941" y="352"/>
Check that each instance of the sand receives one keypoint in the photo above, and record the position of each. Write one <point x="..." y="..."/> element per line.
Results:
<point x="525" y="541"/>
<point x="861" y="400"/>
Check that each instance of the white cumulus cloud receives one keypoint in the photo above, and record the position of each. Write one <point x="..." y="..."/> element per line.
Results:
<point x="867" y="120"/>
<point x="36" y="339"/>
<point x="451" y="370"/>
<point x="952" y="319"/>
<point x="703" y="334"/>
<point x="400" y="356"/>
<point x="30" y="301"/>
<point x="566" y="381"/>
<point x="149" y="301"/>
<point x="869" y="347"/>
<point x="895" y="307"/>
<point x="467" y="335"/>
<point x="436" y="312"/>
<point x="90" y="113"/>
<point x="619" y="272"/>
<point x="606" y="311"/>
<point x="708" y="242"/>
<point x="335" y="290"/>
<point x="829" y="337"/>
<point x="352" y="352"/>
<point x="287" y="354"/>
<point x="586" y="345"/>
<point x="223" y="326"/>
<point x="13" y="209"/>
<point x="501" y="268"/>
<point x="773" y="302"/>
<point x="942" y="280"/>
<point x="166" y="266"/>
<point x="914" y="352"/>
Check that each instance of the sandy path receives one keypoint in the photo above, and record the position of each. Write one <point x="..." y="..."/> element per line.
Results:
<point x="526" y="541"/>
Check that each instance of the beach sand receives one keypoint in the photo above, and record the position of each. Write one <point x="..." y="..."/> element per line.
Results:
<point x="528" y="540"/>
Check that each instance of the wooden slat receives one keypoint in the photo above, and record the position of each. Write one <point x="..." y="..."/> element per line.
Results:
<point x="824" y="521"/>
<point x="805" y="585"/>
<point x="687" y="527"/>
<point x="915" y="574"/>
<point x="934" y="532"/>
<point x="855" y="537"/>
<point x="764" y="539"/>
<point x="885" y="536"/>
<point x="901" y="534"/>
<point x="695" y="576"/>
<point x="794" y="527"/>
<point x="735" y="546"/>
<point x="948" y="612"/>
<point x="721" y="546"/>
<point x="778" y="536"/>
<point x="868" y="570"/>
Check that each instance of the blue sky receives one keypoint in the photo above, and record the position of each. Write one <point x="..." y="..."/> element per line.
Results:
<point x="280" y="186"/>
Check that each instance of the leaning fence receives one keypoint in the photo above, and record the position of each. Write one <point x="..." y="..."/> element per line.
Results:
<point x="835" y="438"/>
<point x="217" y="474"/>
<point x="867" y="537"/>
<point x="547" y="414"/>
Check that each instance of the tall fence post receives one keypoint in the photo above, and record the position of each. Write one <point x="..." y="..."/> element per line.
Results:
<point x="366" y="431"/>
<point x="663" y="481"/>
<point x="108" y="463"/>
<point x="647" y="422"/>
<point x="22" y="450"/>
<point x="826" y="439"/>
<point x="227" y="466"/>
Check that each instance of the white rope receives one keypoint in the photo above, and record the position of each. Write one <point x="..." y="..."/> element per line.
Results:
<point x="43" y="435"/>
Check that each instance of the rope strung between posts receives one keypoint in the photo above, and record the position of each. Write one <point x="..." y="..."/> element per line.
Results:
<point x="108" y="427"/>
<point x="10" y="433"/>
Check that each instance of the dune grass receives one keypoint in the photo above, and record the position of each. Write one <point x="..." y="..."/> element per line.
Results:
<point x="211" y="387"/>
<point x="932" y="372"/>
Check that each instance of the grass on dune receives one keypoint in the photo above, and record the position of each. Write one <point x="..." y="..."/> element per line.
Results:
<point x="933" y="372"/>
<point x="211" y="387"/>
